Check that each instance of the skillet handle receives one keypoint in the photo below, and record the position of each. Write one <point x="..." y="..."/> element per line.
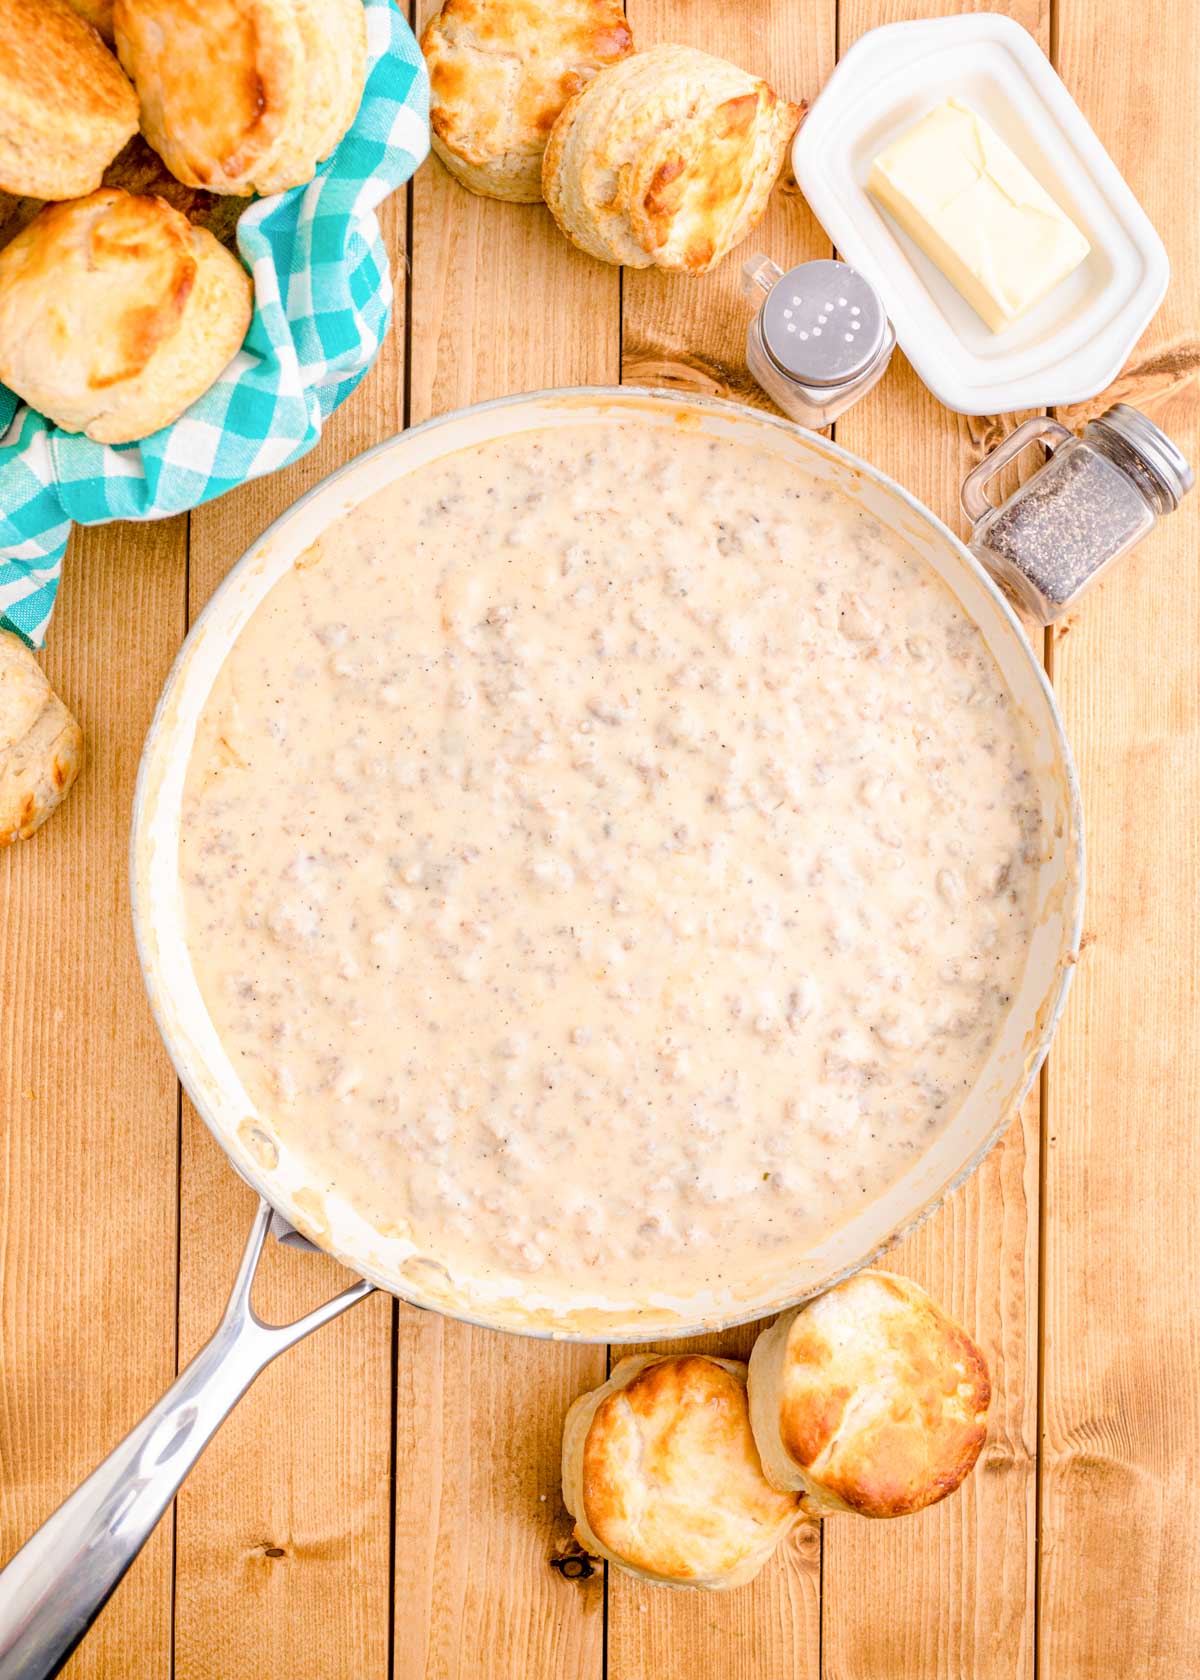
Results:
<point x="53" y="1589"/>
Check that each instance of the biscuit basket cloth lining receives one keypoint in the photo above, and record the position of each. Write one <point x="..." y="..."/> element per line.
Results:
<point x="322" y="300"/>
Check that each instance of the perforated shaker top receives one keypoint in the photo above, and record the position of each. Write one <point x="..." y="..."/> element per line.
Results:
<point x="823" y="323"/>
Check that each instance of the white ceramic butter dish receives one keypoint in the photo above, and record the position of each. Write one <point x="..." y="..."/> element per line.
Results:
<point x="1075" y="341"/>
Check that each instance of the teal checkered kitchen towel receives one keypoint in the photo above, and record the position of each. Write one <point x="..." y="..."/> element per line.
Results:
<point x="322" y="297"/>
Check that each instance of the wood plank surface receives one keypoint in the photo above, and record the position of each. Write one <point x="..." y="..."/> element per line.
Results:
<point x="88" y="1100"/>
<point x="500" y="302"/>
<point x="284" y="1528"/>
<point x="1120" y="1575"/>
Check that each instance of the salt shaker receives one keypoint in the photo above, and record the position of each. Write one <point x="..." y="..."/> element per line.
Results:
<point x="1095" y="497"/>
<point x="820" y="337"/>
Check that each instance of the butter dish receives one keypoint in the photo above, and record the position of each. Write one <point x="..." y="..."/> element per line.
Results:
<point x="1075" y="341"/>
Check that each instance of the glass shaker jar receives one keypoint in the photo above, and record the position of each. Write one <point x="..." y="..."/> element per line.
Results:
<point x="820" y="337"/>
<point x="1095" y="497"/>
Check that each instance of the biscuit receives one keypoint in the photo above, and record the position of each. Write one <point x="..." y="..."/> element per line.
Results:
<point x="662" y="1477"/>
<point x="115" y="314"/>
<point x="595" y="144"/>
<point x="500" y="71"/>
<point x="98" y="13"/>
<point x="243" y="96"/>
<point x="667" y="159"/>
<point x="66" y="108"/>
<point x="334" y="35"/>
<point x="868" y="1399"/>
<point x="40" y="743"/>
<point x="700" y="186"/>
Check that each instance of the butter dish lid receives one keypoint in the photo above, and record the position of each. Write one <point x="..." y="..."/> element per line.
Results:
<point x="1074" y="342"/>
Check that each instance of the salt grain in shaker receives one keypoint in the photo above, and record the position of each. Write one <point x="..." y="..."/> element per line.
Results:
<point x="1096" y="497"/>
<point x="820" y="338"/>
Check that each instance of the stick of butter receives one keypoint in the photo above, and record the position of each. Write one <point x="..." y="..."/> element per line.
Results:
<point x="977" y="212"/>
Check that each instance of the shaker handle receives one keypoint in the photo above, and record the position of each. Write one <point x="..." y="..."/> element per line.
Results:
<point x="759" y="277"/>
<point x="1037" y="430"/>
<point x="57" y="1584"/>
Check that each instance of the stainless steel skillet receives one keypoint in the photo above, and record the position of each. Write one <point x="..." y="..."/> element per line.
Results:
<point x="54" y="1587"/>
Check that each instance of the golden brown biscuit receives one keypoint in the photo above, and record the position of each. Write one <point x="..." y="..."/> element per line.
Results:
<point x="667" y="159"/>
<point x="66" y="109"/>
<point x="500" y="71"/>
<point x="219" y="81"/>
<point x="868" y="1399"/>
<point x="115" y="314"/>
<point x="244" y="96"/>
<point x="98" y="13"/>
<point x="662" y="1476"/>
<point x="698" y="189"/>
<point x="334" y="36"/>
<point x="596" y="143"/>
<point x="40" y="743"/>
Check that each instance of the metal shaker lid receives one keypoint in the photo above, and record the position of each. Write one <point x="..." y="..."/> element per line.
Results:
<point x="823" y="324"/>
<point x="1162" y="458"/>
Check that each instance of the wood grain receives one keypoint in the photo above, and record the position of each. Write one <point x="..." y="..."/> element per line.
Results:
<point x="500" y="302"/>
<point x="88" y="1108"/>
<point x="1120" y="1575"/>
<point x="284" y="1529"/>
<point x="691" y="334"/>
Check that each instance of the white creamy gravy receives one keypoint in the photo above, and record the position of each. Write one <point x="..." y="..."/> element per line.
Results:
<point x="608" y="857"/>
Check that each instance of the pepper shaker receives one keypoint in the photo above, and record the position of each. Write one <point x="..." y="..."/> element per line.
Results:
<point x="820" y="337"/>
<point x="1093" y="500"/>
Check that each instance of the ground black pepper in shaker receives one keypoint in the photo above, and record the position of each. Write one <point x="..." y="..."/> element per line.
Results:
<point x="1096" y="497"/>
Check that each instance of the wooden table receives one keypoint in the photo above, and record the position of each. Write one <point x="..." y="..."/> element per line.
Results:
<point x="385" y="1502"/>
